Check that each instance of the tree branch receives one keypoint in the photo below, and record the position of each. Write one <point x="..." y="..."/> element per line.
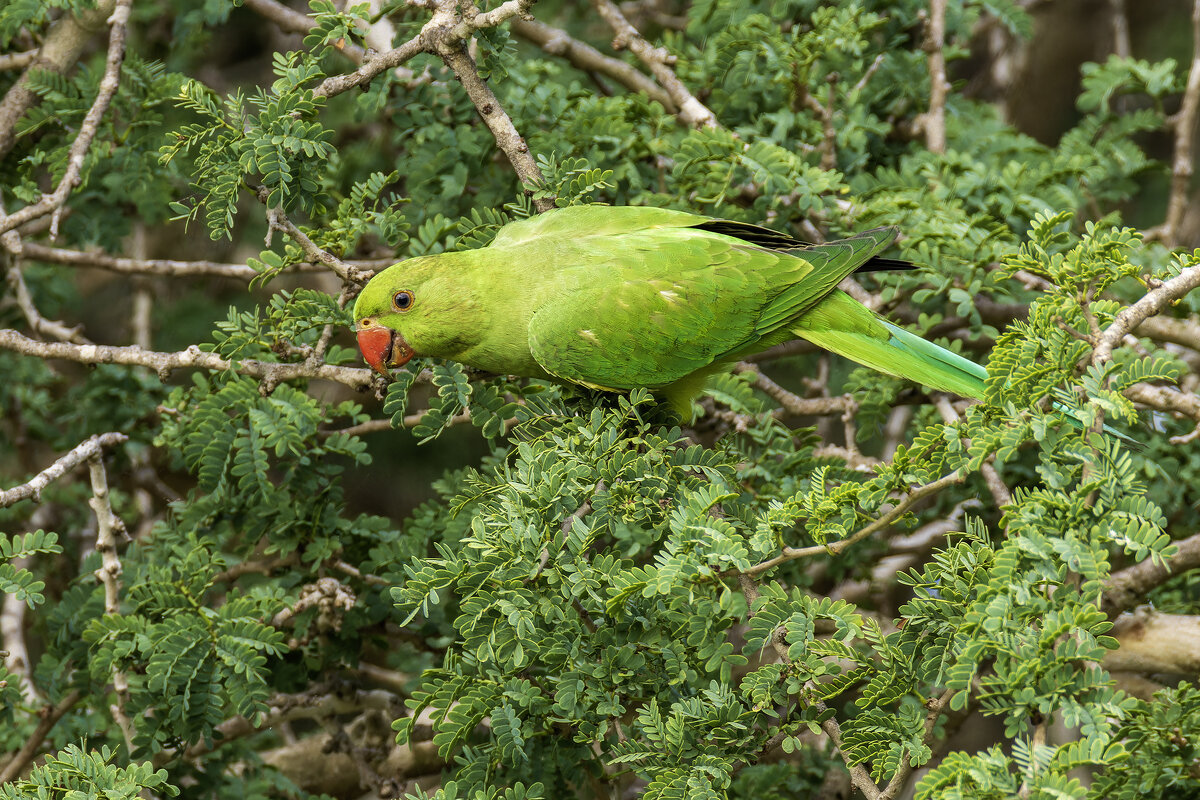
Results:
<point x="834" y="548"/>
<point x="1127" y="588"/>
<point x="85" y="451"/>
<point x="40" y="325"/>
<point x="510" y="142"/>
<point x="795" y="404"/>
<point x="108" y="527"/>
<point x="934" y="120"/>
<point x="270" y="373"/>
<point x="53" y="202"/>
<point x="17" y="60"/>
<point x="50" y="715"/>
<point x="583" y="56"/>
<point x="1154" y="302"/>
<point x="175" y="269"/>
<point x="1184" y="124"/>
<point x="59" y="52"/>
<point x="657" y="59"/>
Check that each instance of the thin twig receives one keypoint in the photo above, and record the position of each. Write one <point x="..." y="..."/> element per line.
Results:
<point x="582" y="55"/>
<point x="365" y="577"/>
<point x="794" y="403"/>
<point x="657" y="59"/>
<point x="53" y="202"/>
<point x="108" y="527"/>
<point x="991" y="476"/>
<point x="834" y="548"/>
<point x="277" y="220"/>
<point x="858" y="774"/>
<point x="34" y="486"/>
<point x="174" y="269"/>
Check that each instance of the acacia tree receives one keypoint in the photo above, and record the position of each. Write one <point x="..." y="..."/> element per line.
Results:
<point x="828" y="582"/>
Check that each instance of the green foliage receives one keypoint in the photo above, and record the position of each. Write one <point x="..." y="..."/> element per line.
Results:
<point x="607" y="602"/>
<point x="1159" y="754"/>
<point x="74" y="773"/>
<point x="16" y="580"/>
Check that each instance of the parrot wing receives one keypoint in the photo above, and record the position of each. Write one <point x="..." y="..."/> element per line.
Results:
<point x="655" y="306"/>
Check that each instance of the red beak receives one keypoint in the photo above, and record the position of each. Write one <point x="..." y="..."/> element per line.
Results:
<point x="382" y="347"/>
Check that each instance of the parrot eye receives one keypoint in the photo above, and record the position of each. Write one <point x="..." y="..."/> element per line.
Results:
<point x="402" y="300"/>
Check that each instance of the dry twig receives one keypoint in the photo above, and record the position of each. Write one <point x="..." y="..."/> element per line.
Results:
<point x="108" y="528"/>
<point x="834" y="548"/>
<point x="582" y="55"/>
<point x="32" y="489"/>
<point x="658" y="60"/>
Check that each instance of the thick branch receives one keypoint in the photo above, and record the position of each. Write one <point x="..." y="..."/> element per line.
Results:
<point x="1152" y="642"/>
<point x="1127" y="588"/>
<point x="271" y="374"/>
<point x="1165" y="398"/>
<point x="657" y="59"/>
<point x="1154" y="302"/>
<point x="1184" y="123"/>
<point x="89" y="449"/>
<point x="315" y="703"/>
<point x="87" y="130"/>
<point x="934" y="122"/>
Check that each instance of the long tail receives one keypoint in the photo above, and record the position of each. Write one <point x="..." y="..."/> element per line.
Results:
<point x="845" y="326"/>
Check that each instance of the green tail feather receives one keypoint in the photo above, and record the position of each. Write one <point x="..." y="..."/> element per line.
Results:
<point x="843" y="325"/>
<point x="846" y="327"/>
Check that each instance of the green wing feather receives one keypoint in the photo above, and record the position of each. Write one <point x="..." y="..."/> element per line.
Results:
<point x="657" y="309"/>
<point x="661" y="304"/>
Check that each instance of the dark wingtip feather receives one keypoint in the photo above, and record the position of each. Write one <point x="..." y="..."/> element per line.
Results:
<point x="881" y="264"/>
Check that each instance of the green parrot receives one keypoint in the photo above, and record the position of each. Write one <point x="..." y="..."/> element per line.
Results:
<point x="616" y="298"/>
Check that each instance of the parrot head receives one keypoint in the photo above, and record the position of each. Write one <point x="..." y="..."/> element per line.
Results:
<point x="412" y="308"/>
